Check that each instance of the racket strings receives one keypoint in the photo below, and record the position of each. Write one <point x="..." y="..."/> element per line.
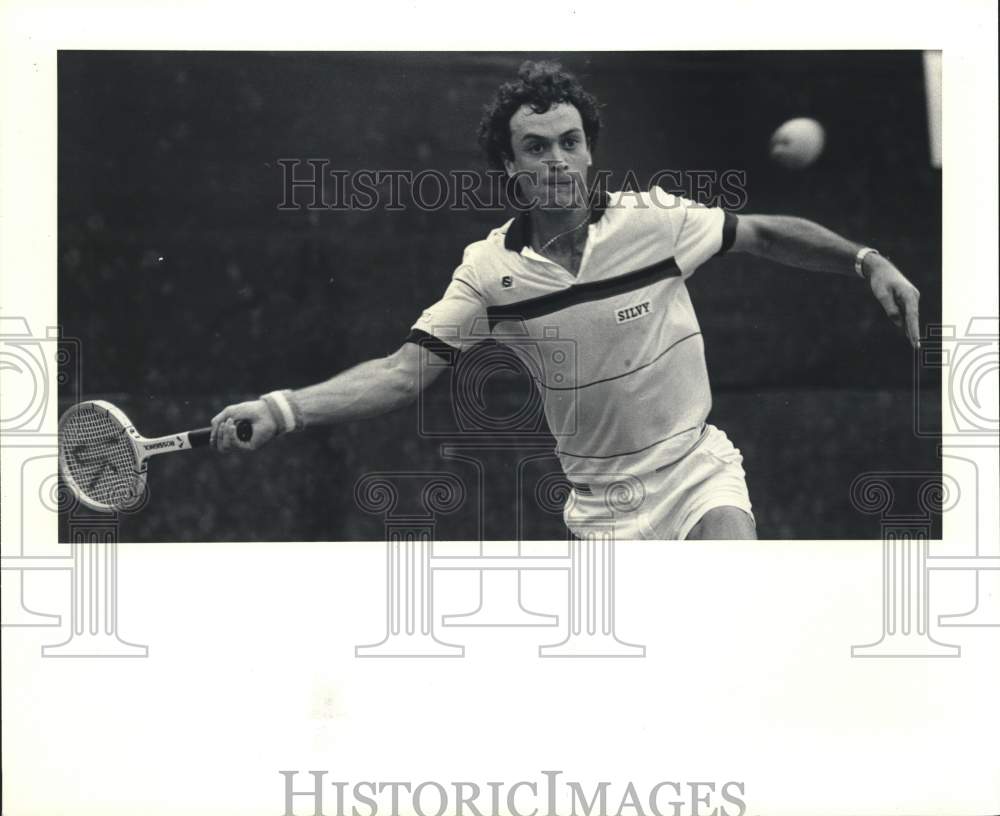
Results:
<point x="99" y="456"/>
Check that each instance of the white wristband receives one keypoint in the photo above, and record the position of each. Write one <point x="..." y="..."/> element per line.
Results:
<point x="282" y="405"/>
<point x="859" y="260"/>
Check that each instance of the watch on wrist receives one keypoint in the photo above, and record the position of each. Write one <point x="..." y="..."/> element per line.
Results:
<point x="859" y="260"/>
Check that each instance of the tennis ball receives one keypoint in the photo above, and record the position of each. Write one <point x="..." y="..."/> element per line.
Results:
<point x="797" y="143"/>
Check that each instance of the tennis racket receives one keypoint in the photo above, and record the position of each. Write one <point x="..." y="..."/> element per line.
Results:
<point x="103" y="458"/>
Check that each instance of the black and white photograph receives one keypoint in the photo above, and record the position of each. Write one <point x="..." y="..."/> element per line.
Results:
<point x="438" y="410"/>
<point x="484" y="265"/>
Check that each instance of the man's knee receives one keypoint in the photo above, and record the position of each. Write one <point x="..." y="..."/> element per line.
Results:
<point x="724" y="523"/>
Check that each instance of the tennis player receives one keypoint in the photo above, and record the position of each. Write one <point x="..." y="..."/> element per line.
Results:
<point x="606" y="272"/>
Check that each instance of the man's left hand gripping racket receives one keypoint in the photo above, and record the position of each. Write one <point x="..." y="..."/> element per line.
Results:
<point x="102" y="457"/>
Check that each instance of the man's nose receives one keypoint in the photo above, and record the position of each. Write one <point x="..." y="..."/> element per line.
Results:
<point x="558" y="160"/>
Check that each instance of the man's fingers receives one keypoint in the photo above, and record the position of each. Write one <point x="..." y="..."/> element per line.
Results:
<point x="220" y="435"/>
<point x="216" y="423"/>
<point x="901" y="307"/>
<point x="912" y="320"/>
<point x="224" y="436"/>
<point x="900" y="300"/>
<point x="229" y="434"/>
<point x="890" y="308"/>
<point x="228" y="438"/>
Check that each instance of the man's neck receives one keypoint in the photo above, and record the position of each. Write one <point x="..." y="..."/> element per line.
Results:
<point x="547" y="223"/>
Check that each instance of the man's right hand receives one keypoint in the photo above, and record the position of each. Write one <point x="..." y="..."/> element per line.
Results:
<point x="224" y="426"/>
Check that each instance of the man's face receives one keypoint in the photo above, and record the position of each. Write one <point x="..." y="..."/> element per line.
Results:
<point x="551" y="156"/>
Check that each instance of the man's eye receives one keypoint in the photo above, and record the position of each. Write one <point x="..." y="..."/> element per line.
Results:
<point x="535" y="148"/>
<point x="569" y="144"/>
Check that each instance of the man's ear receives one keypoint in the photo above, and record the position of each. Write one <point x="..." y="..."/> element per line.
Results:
<point x="508" y="165"/>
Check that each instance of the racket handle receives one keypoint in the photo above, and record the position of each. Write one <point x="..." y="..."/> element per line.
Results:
<point x="201" y="437"/>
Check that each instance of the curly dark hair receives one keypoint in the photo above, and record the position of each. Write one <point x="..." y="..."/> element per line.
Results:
<point x="541" y="85"/>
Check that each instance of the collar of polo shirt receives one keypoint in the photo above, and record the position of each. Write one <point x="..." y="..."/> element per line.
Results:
<point x="519" y="234"/>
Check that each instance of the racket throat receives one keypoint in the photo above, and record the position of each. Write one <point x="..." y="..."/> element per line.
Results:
<point x="164" y="444"/>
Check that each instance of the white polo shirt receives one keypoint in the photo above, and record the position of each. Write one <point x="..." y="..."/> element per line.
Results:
<point x="616" y="352"/>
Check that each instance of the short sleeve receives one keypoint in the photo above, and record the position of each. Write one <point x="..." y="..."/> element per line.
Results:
<point x="455" y="318"/>
<point x="699" y="232"/>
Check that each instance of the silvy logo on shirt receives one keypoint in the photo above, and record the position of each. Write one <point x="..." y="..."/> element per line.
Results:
<point x="507" y="282"/>
<point x="633" y="312"/>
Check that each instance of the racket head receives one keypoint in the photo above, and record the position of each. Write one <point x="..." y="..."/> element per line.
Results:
<point x="99" y="456"/>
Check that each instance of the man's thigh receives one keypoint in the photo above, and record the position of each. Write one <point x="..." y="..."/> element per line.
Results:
<point x="724" y="523"/>
<point x="707" y="490"/>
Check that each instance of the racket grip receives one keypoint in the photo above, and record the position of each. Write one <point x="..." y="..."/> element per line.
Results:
<point x="201" y="437"/>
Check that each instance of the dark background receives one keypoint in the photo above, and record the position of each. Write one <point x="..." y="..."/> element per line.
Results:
<point x="172" y="156"/>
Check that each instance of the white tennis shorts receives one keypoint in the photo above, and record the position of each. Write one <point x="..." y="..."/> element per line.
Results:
<point x="667" y="503"/>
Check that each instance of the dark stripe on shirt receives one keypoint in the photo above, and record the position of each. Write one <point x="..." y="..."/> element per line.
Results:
<point x="728" y="232"/>
<point x="583" y="293"/>
<point x="473" y="288"/>
<point x="630" y="453"/>
<point x="433" y="344"/>
<point x="617" y="376"/>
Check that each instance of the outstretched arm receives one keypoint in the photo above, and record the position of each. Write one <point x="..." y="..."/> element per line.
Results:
<point x="807" y="245"/>
<point x="369" y="389"/>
